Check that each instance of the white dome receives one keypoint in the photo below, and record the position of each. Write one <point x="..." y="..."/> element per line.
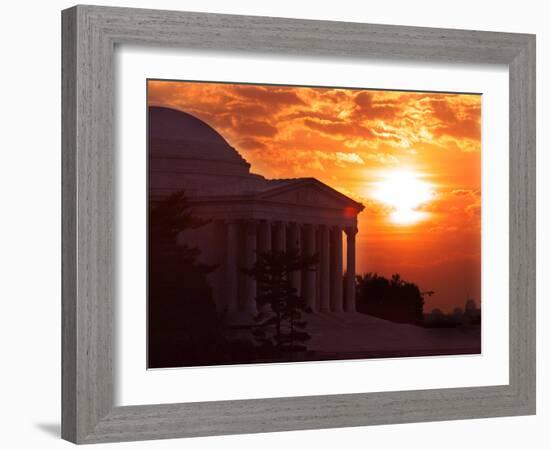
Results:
<point x="186" y="153"/>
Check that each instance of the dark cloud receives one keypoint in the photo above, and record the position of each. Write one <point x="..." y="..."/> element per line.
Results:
<point x="340" y="128"/>
<point x="252" y="127"/>
<point x="275" y="97"/>
<point x="250" y="143"/>
<point x="456" y="122"/>
<point x="367" y="107"/>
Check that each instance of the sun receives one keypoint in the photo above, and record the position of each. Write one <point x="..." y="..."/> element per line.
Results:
<point x="404" y="191"/>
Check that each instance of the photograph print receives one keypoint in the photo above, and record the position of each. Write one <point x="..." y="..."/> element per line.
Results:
<point x="301" y="223"/>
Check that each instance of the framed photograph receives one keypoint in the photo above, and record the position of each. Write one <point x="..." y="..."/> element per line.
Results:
<point x="259" y="257"/>
<point x="278" y="224"/>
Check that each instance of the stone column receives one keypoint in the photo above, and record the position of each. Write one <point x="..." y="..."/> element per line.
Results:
<point x="294" y="244"/>
<point x="336" y="280"/>
<point x="249" y="261"/>
<point x="325" y="269"/>
<point x="308" y="287"/>
<point x="231" y="264"/>
<point x="264" y="236"/>
<point x="280" y="237"/>
<point x="350" y="269"/>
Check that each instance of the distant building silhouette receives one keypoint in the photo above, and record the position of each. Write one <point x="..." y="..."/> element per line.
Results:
<point x="470" y="315"/>
<point x="471" y="312"/>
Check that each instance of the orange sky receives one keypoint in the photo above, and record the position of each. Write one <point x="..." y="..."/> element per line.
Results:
<point x="413" y="159"/>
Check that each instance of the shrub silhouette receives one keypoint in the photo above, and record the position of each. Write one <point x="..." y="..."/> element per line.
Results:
<point x="394" y="299"/>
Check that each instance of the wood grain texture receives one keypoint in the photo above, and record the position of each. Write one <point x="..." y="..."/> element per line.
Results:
<point x="89" y="37"/>
<point x="68" y="225"/>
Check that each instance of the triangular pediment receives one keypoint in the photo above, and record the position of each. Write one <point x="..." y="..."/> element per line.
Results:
<point x="308" y="192"/>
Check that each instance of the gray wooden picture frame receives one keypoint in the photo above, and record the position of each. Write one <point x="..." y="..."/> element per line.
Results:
<point x="90" y="34"/>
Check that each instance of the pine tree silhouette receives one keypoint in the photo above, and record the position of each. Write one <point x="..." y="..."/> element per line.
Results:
<point x="279" y="322"/>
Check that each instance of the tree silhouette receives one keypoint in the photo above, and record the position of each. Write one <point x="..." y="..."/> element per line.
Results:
<point x="182" y="321"/>
<point x="394" y="299"/>
<point x="167" y="219"/>
<point x="279" y="322"/>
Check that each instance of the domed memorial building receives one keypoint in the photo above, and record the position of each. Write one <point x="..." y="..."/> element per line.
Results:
<point x="251" y="214"/>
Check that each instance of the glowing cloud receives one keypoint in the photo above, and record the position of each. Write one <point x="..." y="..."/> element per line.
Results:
<point x="377" y="147"/>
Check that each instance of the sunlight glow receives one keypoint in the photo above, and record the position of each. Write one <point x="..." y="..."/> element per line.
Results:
<point x="404" y="191"/>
